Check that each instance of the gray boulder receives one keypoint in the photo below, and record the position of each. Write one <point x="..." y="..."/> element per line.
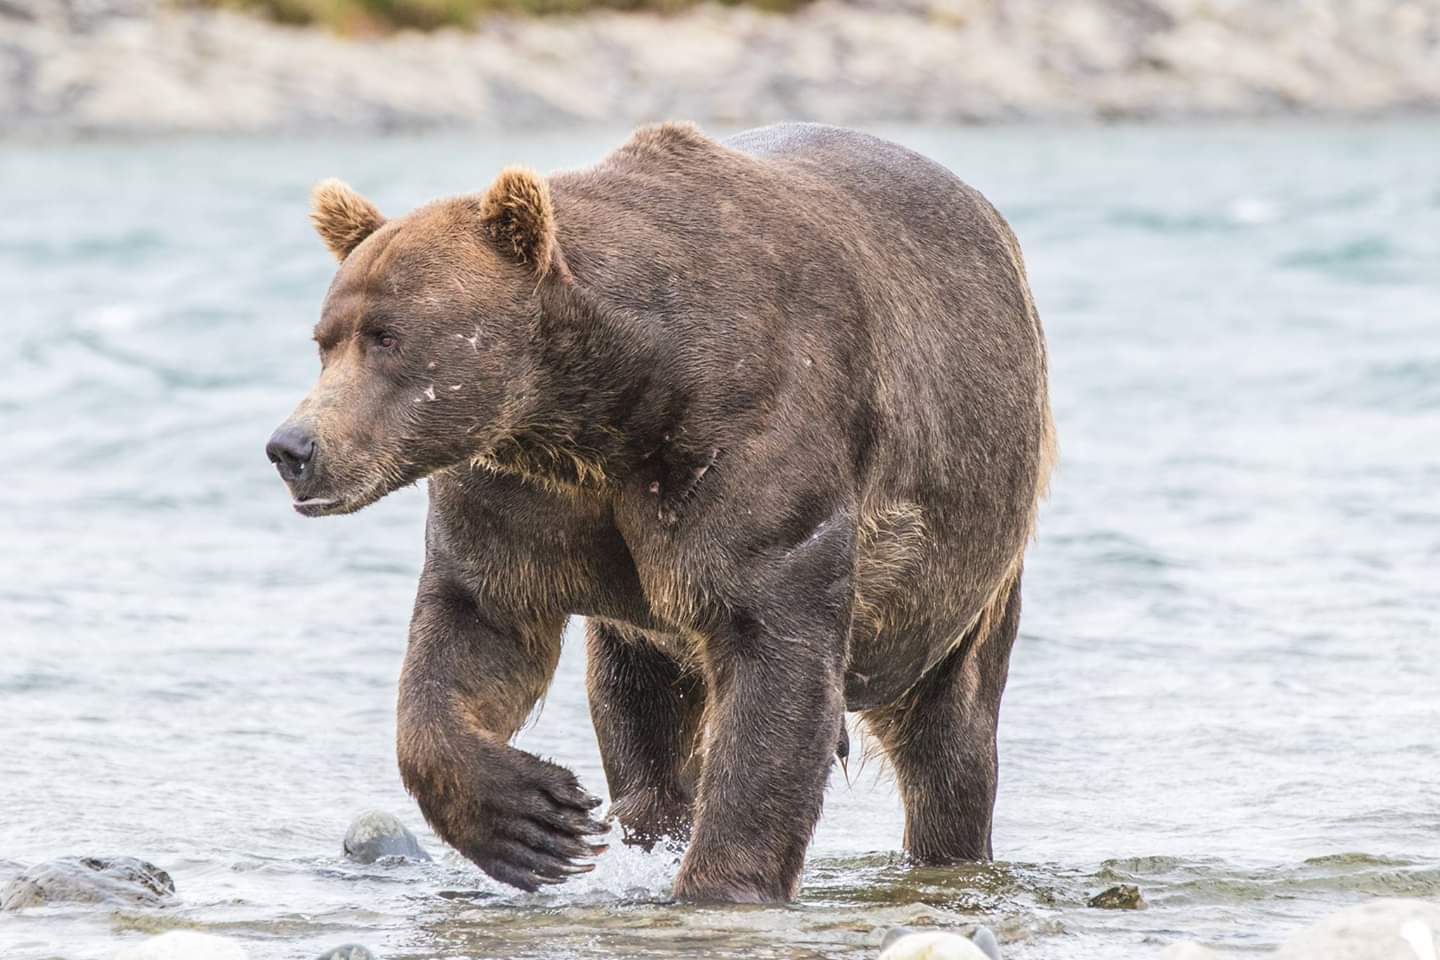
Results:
<point x="20" y="9"/>
<point x="985" y="940"/>
<point x="119" y="880"/>
<point x="377" y="834"/>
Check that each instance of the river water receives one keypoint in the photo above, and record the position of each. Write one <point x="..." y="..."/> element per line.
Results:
<point x="1226" y="689"/>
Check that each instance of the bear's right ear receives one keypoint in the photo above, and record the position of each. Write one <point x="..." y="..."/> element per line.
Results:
<point x="519" y="218"/>
<point x="342" y="217"/>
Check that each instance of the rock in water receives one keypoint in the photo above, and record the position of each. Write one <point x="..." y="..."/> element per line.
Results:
<point x="350" y="951"/>
<point x="1123" y="896"/>
<point x="377" y="834"/>
<point x="184" y="945"/>
<point x="985" y="940"/>
<point x="123" y="880"/>
<point x="902" y="943"/>
<point x="893" y="934"/>
<point x="1376" y="930"/>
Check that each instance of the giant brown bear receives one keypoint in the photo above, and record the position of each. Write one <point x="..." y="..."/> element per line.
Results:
<point x="770" y="412"/>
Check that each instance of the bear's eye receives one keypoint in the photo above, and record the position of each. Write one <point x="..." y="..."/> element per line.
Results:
<point x="386" y="339"/>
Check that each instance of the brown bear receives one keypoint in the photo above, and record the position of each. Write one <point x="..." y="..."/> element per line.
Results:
<point x="770" y="412"/>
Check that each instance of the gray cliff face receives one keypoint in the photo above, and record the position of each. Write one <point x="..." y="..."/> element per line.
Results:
<point x="142" y="67"/>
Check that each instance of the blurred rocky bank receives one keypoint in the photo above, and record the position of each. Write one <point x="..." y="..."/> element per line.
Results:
<point x="138" y="67"/>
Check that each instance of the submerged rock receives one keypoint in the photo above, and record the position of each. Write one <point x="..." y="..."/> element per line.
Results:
<point x="1389" y="929"/>
<point x="123" y="880"/>
<point x="1122" y="896"/>
<point x="349" y="951"/>
<point x="184" y="945"/>
<point x="377" y="834"/>
<point x="903" y="943"/>
<point x="985" y="940"/>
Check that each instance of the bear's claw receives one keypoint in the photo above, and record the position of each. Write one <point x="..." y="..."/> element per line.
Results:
<point x="521" y="819"/>
<point x="538" y="817"/>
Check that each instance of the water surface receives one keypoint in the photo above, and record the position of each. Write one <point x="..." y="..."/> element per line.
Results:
<point x="1226" y="684"/>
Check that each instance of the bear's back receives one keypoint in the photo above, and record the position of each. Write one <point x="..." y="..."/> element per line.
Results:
<point x="805" y="246"/>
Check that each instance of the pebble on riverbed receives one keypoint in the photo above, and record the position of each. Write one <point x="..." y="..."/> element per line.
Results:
<point x="349" y="951"/>
<point x="1122" y="896"/>
<point x="375" y="834"/>
<point x="184" y="945"/>
<point x="120" y="880"/>
<point x="903" y="943"/>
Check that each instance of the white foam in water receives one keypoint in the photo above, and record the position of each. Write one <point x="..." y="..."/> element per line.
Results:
<point x="113" y="318"/>
<point x="1253" y="211"/>
<point x="622" y="873"/>
<point x="626" y="872"/>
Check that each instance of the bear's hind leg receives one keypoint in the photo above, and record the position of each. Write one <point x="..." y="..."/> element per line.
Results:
<point x="940" y="736"/>
<point x="648" y="712"/>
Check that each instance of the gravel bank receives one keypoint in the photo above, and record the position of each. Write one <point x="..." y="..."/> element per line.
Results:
<point x="71" y="67"/>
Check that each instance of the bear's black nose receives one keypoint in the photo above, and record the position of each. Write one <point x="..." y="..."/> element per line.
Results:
<point x="291" y="449"/>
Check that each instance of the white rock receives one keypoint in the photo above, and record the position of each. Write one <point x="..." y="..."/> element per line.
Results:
<point x="933" y="946"/>
<point x="1376" y="930"/>
<point x="183" y="945"/>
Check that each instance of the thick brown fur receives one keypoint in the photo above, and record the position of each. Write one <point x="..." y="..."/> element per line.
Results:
<point x="771" y="412"/>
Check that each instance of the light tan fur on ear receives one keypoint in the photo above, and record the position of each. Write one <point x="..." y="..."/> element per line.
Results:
<point x="518" y="216"/>
<point x="342" y="217"/>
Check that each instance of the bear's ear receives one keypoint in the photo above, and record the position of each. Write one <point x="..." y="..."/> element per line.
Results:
<point x="342" y="217"/>
<point x="517" y="215"/>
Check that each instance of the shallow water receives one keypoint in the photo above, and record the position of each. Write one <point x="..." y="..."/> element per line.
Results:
<point x="1226" y="685"/>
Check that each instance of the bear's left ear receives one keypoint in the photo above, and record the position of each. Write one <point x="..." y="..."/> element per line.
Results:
<point x="517" y="215"/>
<point x="342" y="217"/>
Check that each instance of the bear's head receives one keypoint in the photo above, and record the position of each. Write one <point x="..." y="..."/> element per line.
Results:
<point x="425" y="340"/>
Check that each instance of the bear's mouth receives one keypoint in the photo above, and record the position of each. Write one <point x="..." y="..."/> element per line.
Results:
<point x="316" y="506"/>
<point x="345" y="502"/>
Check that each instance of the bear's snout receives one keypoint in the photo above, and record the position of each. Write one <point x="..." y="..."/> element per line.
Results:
<point x="292" y="450"/>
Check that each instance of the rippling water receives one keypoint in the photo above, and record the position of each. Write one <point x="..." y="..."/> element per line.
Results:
<point x="1226" y="685"/>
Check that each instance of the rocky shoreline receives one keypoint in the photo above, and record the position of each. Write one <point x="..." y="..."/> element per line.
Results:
<point x="148" y="67"/>
<point x="1377" y="928"/>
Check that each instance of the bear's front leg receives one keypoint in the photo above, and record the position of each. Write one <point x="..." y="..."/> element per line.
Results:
<point x="775" y="671"/>
<point x="470" y="680"/>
